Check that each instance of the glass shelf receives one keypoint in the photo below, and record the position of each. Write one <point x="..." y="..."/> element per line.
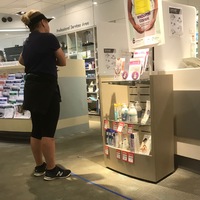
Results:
<point x="128" y="82"/>
<point x="127" y="122"/>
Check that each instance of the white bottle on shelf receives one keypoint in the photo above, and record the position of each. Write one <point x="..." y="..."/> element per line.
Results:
<point x="119" y="111"/>
<point x="125" y="144"/>
<point x="132" y="114"/>
<point x="116" y="114"/>
<point x="124" y="112"/>
<point x="139" y="110"/>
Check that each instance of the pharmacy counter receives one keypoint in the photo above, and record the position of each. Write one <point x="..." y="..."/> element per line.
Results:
<point x="74" y="111"/>
<point x="186" y="112"/>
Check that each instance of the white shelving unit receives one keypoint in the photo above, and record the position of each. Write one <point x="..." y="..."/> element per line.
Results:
<point x="82" y="45"/>
<point x="159" y="163"/>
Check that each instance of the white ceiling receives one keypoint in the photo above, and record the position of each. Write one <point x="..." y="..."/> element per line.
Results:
<point x="11" y="7"/>
<point x="14" y="6"/>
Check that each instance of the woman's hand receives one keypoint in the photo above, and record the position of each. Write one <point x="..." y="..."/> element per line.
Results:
<point x="138" y="28"/>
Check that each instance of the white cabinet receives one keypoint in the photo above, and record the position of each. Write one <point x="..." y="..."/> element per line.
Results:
<point x="159" y="162"/>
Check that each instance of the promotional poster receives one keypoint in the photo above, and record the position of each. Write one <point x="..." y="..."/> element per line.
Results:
<point x="143" y="19"/>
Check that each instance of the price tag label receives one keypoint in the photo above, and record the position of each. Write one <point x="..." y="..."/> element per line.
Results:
<point x="131" y="157"/>
<point x="118" y="154"/>
<point x="130" y="128"/>
<point x="125" y="156"/>
<point x="120" y="127"/>
<point x="115" y="126"/>
<point x="106" y="150"/>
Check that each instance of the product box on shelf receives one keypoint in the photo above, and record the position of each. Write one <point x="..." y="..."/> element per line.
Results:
<point x="125" y="137"/>
<point x="11" y="96"/>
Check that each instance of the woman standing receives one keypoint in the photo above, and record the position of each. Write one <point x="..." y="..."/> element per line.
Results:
<point x="41" y="55"/>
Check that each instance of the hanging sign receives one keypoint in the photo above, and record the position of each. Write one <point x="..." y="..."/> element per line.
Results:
<point x="176" y="21"/>
<point x="143" y="23"/>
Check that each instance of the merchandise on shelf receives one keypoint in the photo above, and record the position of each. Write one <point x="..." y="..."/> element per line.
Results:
<point x="132" y="114"/>
<point x="150" y="141"/>
<point x="139" y="111"/>
<point x="132" y="68"/>
<point x="126" y="139"/>
<point x="11" y="96"/>
<point x="124" y="112"/>
<point x="82" y="45"/>
<point x="147" y="113"/>
<point x="145" y="147"/>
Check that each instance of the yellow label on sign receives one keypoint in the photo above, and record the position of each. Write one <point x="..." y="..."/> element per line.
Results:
<point x="142" y="6"/>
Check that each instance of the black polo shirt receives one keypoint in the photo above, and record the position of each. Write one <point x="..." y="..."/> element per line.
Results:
<point x="39" y="53"/>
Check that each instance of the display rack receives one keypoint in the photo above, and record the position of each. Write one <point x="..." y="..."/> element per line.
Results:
<point x="159" y="162"/>
<point x="82" y="45"/>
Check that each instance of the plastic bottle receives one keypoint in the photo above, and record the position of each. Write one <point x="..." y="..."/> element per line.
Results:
<point x="116" y="115"/>
<point x="116" y="140"/>
<point x="124" y="112"/>
<point x="107" y="136"/>
<point x="132" y="114"/>
<point x="139" y="110"/>
<point x="119" y="111"/>
<point x="110" y="137"/>
<point x="132" y="145"/>
<point x="125" y="144"/>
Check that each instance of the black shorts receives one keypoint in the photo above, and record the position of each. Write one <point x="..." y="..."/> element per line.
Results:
<point x="44" y="125"/>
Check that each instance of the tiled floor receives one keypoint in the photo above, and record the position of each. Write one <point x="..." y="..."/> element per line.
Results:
<point x="91" y="180"/>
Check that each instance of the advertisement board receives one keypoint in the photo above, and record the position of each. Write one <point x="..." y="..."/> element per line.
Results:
<point x="143" y="21"/>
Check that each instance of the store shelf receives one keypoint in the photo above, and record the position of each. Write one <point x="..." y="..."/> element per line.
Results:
<point x="93" y="113"/>
<point x="89" y="58"/>
<point x="127" y="122"/>
<point x="92" y="92"/>
<point x="88" y="44"/>
<point x="127" y="82"/>
<point x="89" y="70"/>
<point x="82" y="45"/>
<point x="158" y="162"/>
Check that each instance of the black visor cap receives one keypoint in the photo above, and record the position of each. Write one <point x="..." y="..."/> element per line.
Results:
<point x="37" y="19"/>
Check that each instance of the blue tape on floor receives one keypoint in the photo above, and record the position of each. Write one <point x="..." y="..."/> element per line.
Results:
<point x="100" y="186"/>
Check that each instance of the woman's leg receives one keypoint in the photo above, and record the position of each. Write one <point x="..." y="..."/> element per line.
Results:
<point x="48" y="150"/>
<point x="35" y="140"/>
<point x="49" y="124"/>
<point x="36" y="147"/>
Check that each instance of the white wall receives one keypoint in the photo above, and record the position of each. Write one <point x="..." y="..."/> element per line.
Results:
<point x="72" y="18"/>
<point x="69" y="18"/>
<point x="10" y="39"/>
<point x="106" y="10"/>
<point x="109" y="11"/>
<point x="110" y="36"/>
<point x="169" y="55"/>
